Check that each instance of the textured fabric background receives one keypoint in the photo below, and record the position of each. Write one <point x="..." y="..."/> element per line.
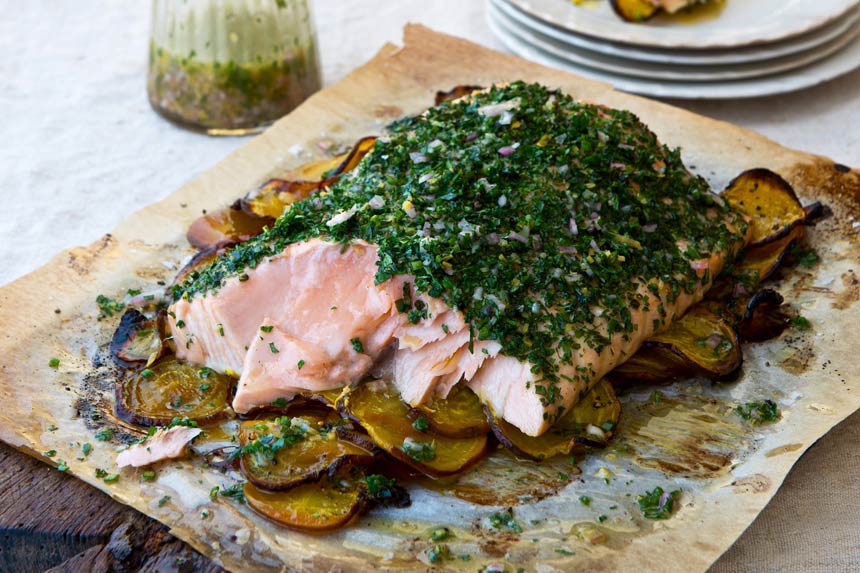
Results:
<point x="80" y="149"/>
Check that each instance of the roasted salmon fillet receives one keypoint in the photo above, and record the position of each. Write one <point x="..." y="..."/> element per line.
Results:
<point x="516" y="240"/>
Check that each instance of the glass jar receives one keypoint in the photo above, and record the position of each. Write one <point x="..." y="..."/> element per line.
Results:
<point x="231" y="67"/>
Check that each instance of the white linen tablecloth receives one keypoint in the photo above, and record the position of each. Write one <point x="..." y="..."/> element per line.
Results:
<point x="81" y="149"/>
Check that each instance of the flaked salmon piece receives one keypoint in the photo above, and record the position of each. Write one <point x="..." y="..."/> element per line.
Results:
<point x="440" y="321"/>
<point x="314" y="291"/>
<point x="434" y="368"/>
<point x="279" y="365"/>
<point x="165" y="444"/>
<point x="514" y="392"/>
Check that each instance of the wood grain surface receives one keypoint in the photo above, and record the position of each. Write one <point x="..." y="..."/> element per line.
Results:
<point x="50" y="521"/>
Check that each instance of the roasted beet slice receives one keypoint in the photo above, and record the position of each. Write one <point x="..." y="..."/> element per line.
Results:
<point x="634" y="10"/>
<point x="227" y="225"/>
<point x="274" y="195"/>
<point x="281" y="453"/>
<point x="765" y="317"/>
<point x="377" y="406"/>
<point x="455" y="93"/>
<point x="700" y="343"/>
<point x="137" y="340"/>
<point x="770" y="203"/>
<point x="312" y="507"/>
<point x="588" y="424"/>
<point x="459" y="415"/>
<point x="172" y="389"/>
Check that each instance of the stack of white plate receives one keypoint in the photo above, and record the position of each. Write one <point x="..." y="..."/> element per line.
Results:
<point x="747" y="48"/>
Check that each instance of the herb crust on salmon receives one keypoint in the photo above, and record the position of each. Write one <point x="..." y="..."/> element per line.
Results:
<point x="551" y="226"/>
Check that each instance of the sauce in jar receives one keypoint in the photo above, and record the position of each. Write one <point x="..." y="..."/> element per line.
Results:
<point x="231" y="66"/>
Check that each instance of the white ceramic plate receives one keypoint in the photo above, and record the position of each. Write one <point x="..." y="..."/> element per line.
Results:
<point x="827" y="69"/>
<point x="681" y="73"/>
<point x="741" y="23"/>
<point x="795" y="45"/>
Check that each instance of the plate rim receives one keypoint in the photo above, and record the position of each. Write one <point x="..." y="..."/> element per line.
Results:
<point x="788" y="63"/>
<point x="627" y="33"/>
<point x="803" y="42"/>
<point x="839" y="64"/>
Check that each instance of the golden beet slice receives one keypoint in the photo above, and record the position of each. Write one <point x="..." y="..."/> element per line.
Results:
<point x="588" y="424"/>
<point x="274" y="195"/>
<point x="459" y="415"/>
<point x="137" y="340"/>
<point x="282" y="453"/>
<point x="703" y="341"/>
<point x="172" y="389"/>
<point x="770" y="203"/>
<point x="634" y="10"/>
<point x="227" y="225"/>
<point x="765" y="258"/>
<point x="455" y="93"/>
<point x="311" y="507"/>
<point x="377" y="406"/>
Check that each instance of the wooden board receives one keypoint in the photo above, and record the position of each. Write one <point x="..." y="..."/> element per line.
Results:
<point x="397" y="82"/>
<point x="52" y="521"/>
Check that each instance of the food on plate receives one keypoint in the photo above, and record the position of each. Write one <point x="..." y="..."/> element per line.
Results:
<point x="481" y="275"/>
<point x="641" y="10"/>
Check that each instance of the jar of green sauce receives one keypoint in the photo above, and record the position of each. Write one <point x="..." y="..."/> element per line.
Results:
<point x="231" y="67"/>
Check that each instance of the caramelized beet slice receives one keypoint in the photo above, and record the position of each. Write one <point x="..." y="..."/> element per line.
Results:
<point x="172" y="389"/>
<point x="587" y="424"/>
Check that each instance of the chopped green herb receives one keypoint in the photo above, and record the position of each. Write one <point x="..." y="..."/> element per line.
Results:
<point x="267" y="328"/>
<point x="438" y="553"/>
<point x="204" y="387"/>
<point x="584" y="500"/>
<point x="220" y="329"/>
<point x="273" y="348"/>
<point x="180" y="323"/>
<point x="147" y="373"/>
<point x="188" y="423"/>
<point x="62" y="466"/>
<point x="763" y="412"/>
<point x="54" y="362"/>
<point x="205" y="372"/>
<point x="505" y="520"/>
<point x="163" y="501"/>
<point x="300" y="364"/>
<point x="87" y="448"/>
<point x="378" y="484"/>
<point x="148" y="476"/>
<point x="100" y="473"/>
<point x="562" y="551"/>
<point x="53" y="428"/>
<point x="108" y="307"/>
<point x="111" y="478"/>
<point x="806" y="258"/>
<point x="440" y="534"/>
<point x="421" y="424"/>
<point x="801" y="323"/>
<point x="357" y="345"/>
<point x="234" y="491"/>
<point x="658" y="504"/>
<point x="601" y="518"/>
<point x="134" y="292"/>
<point x="105" y="434"/>
<point x="279" y="403"/>
<point x="284" y="433"/>
<point x="50" y="453"/>
<point x="419" y="451"/>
